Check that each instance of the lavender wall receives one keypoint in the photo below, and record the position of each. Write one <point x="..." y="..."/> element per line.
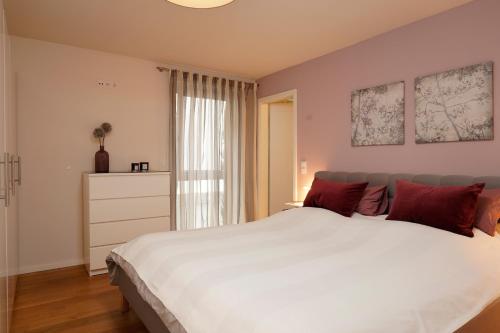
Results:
<point x="463" y="36"/>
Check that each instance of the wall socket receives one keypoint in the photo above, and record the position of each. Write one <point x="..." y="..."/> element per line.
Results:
<point x="108" y="84"/>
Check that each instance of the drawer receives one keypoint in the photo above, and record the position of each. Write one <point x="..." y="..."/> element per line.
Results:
<point x="128" y="208"/>
<point x="126" y="186"/>
<point x="123" y="231"/>
<point x="98" y="256"/>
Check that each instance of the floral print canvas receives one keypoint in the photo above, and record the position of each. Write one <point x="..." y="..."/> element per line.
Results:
<point x="377" y="115"/>
<point x="456" y="105"/>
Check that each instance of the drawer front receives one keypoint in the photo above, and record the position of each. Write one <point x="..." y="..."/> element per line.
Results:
<point x="124" y="231"/>
<point x="98" y="256"/>
<point x="127" y="186"/>
<point x="128" y="209"/>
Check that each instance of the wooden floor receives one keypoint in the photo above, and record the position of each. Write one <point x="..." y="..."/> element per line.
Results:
<point x="67" y="300"/>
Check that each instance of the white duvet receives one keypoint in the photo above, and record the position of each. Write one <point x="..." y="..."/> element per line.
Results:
<point x="311" y="270"/>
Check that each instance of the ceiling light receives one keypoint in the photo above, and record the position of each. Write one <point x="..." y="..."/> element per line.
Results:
<point x="201" y="3"/>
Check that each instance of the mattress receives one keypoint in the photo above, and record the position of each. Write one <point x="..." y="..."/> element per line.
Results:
<point x="311" y="270"/>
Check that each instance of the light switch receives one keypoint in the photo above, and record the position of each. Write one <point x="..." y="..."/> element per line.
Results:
<point x="303" y="167"/>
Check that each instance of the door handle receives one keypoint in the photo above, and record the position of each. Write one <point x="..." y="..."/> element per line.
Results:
<point x="12" y="178"/>
<point x="6" y="192"/>
<point x="18" y="179"/>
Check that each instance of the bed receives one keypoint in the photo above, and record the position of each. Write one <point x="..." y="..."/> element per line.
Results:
<point x="312" y="270"/>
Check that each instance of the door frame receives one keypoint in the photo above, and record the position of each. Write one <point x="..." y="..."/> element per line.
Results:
<point x="276" y="98"/>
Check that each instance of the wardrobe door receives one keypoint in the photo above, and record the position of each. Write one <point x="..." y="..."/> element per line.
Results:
<point x="3" y="188"/>
<point x="11" y="211"/>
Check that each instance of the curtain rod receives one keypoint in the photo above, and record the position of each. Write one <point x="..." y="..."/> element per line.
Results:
<point x="166" y="69"/>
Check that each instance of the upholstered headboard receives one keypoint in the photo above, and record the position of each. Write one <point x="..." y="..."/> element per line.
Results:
<point x="390" y="179"/>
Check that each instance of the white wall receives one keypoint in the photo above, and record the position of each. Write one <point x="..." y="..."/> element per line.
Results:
<point x="59" y="103"/>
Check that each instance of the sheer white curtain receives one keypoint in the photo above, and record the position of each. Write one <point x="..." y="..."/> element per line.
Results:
<point x="211" y="157"/>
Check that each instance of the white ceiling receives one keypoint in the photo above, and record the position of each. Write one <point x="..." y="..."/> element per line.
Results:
<point x="250" y="38"/>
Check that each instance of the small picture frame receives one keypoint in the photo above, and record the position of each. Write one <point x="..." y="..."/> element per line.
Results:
<point x="144" y="166"/>
<point x="135" y="167"/>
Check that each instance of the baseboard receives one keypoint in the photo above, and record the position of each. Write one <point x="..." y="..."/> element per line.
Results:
<point x="49" y="266"/>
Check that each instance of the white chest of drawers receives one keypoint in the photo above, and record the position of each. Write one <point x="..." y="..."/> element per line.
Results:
<point x="119" y="207"/>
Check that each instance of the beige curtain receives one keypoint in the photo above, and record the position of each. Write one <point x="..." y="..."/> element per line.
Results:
<point x="213" y="150"/>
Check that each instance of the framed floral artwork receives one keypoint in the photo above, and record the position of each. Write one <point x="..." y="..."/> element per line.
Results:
<point x="455" y="105"/>
<point x="377" y="115"/>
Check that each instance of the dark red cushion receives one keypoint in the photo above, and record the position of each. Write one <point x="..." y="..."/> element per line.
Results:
<point x="374" y="201"/>
<point x="451" y="208"/>
<point x="341" y="198"/>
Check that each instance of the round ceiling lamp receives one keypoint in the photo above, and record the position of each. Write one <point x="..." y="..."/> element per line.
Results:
<point x="201" y="3"/>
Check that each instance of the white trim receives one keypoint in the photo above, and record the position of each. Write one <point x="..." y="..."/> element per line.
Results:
<point x="50" y="266"/>
<point x="278" y="97"/>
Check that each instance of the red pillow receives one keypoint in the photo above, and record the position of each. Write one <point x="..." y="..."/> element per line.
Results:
<point x="342" y="198"/>
<point x="488" y="211"/>
<point x="451" y="208"/>
<point x="374" y="201"/>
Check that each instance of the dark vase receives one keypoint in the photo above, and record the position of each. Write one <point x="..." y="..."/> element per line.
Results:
<point x="101" y="161"/>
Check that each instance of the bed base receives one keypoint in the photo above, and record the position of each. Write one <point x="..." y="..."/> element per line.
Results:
<point x="125" y="305"/>
<point x="132" y="299"/>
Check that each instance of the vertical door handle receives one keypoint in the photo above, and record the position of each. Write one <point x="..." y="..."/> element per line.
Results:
<point x="12" y="177"/>
<point x="18" y="179"/>
<point x="6" y="192"/>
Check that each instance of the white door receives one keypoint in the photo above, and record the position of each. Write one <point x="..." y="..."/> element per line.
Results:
<point x="281" y="159"/>
<point x="3" y="226"/>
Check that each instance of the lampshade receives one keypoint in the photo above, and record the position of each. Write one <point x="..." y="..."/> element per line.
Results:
<point x="201" y="3"/>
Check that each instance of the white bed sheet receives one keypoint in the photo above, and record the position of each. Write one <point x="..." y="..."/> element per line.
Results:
<point x="311" y="270"/>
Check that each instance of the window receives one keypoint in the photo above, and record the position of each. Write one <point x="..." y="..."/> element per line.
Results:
<point x="200" y="161"/>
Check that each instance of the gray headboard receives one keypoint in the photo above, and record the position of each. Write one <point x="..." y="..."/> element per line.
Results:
<point x="390" y="179"/>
